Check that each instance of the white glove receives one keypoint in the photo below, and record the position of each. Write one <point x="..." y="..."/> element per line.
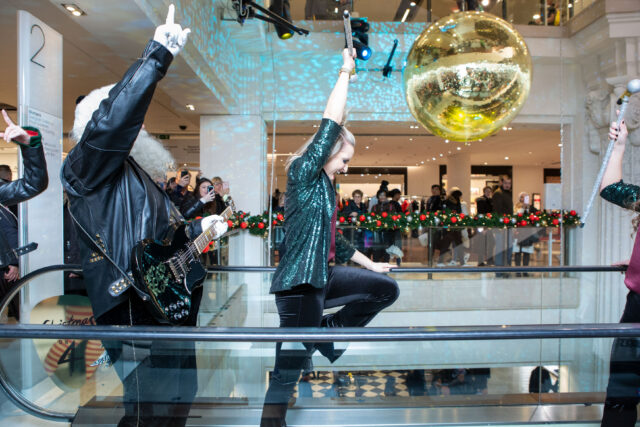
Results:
<point x="171" y="35"/>
<point x="219" y="225"/>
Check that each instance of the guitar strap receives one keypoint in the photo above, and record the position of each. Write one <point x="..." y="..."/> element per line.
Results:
<point x="126" y="277"/>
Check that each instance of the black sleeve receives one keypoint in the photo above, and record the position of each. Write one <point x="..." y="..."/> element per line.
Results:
<point x="34" y="179"/>
<point x="115" y="125"/>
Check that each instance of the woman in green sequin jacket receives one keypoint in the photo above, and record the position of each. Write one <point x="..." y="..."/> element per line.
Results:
<point x="304" y="283"/>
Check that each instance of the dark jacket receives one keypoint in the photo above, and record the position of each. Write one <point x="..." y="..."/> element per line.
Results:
<point x="484" y="205"/>
<point x="352" y="207"/>
<point x="193" y="207"/>
<point x="310" y="203"/>
<point x="33" y="182"/>
<point x="502" y="202"/>
<point x="434" y="203"/>
<point x="112" y="197"/>
<point x="452" y="204"/>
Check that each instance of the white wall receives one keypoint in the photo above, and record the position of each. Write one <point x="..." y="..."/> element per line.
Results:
<point x="421" y="178"/>
<point x="529" y="179"/>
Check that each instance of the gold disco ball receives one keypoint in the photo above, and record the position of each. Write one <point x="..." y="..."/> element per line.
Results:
<point x="467" y="75"/>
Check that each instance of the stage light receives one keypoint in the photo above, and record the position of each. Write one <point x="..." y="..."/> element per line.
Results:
<point x="282" y="9"/>
<point x="359" y="28"/>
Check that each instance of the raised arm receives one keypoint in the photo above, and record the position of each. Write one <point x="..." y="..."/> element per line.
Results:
<point x="310" y="164"/>
<point x="613" y="172"/>
<point x="115" y="125"/>
<point x="34" y="178"/>
<point x="338" y="98"/>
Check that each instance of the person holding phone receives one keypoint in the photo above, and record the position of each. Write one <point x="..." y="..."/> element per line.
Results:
<point x="222" y="198"/>
<point x="178" y="195"/>
<point x="200" y="201"/>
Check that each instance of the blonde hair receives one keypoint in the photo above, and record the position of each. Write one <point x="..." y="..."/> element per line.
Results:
<point x="345" y="136"/>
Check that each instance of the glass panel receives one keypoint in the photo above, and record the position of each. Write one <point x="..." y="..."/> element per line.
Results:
<point x="386" y="383"/>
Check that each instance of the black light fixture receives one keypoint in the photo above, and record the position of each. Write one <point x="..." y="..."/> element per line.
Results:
<point x="359" y="28"/>
<point x="246" y="9"/>
<point x="282" y="9"/>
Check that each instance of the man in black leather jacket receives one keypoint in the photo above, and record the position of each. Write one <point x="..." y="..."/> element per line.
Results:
<point x="33" y="182"/>
<point x="115" y="202"/>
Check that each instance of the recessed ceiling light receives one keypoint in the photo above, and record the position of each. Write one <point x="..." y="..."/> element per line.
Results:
<point x="446" y="141"/>
<point x="559" y="145"/>
<point x="422" y="162"/>
<point x="367" y="147"/>
<point x="440" y="154"/>
<point x="458" y="148"/>
<point x="73" y="9"/>
<point x="506" y="158"/>
<point x="433" y="158"/>
<point x="190" y="107"/>
<point x="485" y="163"/>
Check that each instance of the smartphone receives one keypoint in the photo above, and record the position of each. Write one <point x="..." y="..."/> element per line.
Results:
<point x="526" y="200"/>
<point x="209" y="188"/>
<point x="183" y="173"/>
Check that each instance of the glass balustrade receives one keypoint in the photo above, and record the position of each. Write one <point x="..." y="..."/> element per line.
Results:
<point x="378" y="381"/>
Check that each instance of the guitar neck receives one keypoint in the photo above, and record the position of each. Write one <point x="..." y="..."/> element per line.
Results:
<point x="202" y="241"/>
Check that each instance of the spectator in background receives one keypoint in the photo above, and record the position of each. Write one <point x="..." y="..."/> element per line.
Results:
<point x="502" y="202"/>
<point x="171" y="185"/>
<point x="354" y="208"/>
<point x="525" y="237"/>
<point x="275" y="198"/>
<point x="484" y="241"/>
<point x="434" y="203"/>
<point x="199" y="202"/>
<point x="384" y="186"/>
<point x="394" y="237"/>
<point x="223" y="198"/>
<point x="182" y="183"/>
<point x="453" y="237"/>
<point x="379" y="243"/>
<point x="279" y="206"/>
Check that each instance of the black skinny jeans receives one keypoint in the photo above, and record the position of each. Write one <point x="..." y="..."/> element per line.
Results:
<point x="623" y="390"/>
<point x="363" y="294"/>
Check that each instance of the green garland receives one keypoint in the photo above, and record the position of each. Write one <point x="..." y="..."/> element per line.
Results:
<point x="259" y="224"/>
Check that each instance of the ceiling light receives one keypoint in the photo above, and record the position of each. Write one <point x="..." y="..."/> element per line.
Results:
<point x="190" y="107"/>
<point x="73" y="9"/>
<point x="485" y="3"/>
<point x="458" y="148"/>
<point x="559" y="145"/>
<point x="422" y="162"/>
<point x="440" y="154"/>
<point x="506" y="158"/>
<point x="367" y="147"/>
<point x="404" y="17"/>
<point x="485" y="163"/>
<point x="446" y="141"/>
<point x="433" y="158"/>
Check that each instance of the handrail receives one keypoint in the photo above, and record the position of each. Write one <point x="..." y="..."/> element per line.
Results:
<point x="412" y="333"/>
<point x="400" y="270"/>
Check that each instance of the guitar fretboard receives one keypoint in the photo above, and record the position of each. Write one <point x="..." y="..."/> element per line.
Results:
<point x="202" y="241"/>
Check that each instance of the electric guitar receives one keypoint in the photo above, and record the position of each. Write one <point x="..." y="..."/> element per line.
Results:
<point x="169" y="273"/>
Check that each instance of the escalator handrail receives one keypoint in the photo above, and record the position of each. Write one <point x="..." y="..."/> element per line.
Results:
<point x="314" y="334"/>
<point x="401" y="270"/>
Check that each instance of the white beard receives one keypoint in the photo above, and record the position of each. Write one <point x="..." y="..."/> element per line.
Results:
<point x="147" y="151"/>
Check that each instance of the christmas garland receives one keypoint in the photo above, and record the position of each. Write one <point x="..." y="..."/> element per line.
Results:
<point x="259" y="224"/>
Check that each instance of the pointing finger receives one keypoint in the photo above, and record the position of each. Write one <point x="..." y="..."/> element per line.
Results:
<point x="7" y="119"/>
<point x="170" y="14"/>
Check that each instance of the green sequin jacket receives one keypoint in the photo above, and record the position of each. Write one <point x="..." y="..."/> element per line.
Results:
<point x="309" y="206"/>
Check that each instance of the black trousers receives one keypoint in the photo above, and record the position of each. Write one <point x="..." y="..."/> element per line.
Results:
<point x="623" y="390"/>
<point x="159" y="378"/>
<point x="362" y="293"/>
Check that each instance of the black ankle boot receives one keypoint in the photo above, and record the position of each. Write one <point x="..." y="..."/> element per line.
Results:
<point x="273" y="415"/>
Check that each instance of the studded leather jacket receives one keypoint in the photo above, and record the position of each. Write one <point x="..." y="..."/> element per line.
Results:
<point x="114" y="201"/>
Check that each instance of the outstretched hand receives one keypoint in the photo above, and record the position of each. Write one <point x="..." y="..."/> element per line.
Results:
<point x="619" y="135"/>
<point x="170" y="34"/>
<point x="13" y="131"/>
<point x="381" y="267"/>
